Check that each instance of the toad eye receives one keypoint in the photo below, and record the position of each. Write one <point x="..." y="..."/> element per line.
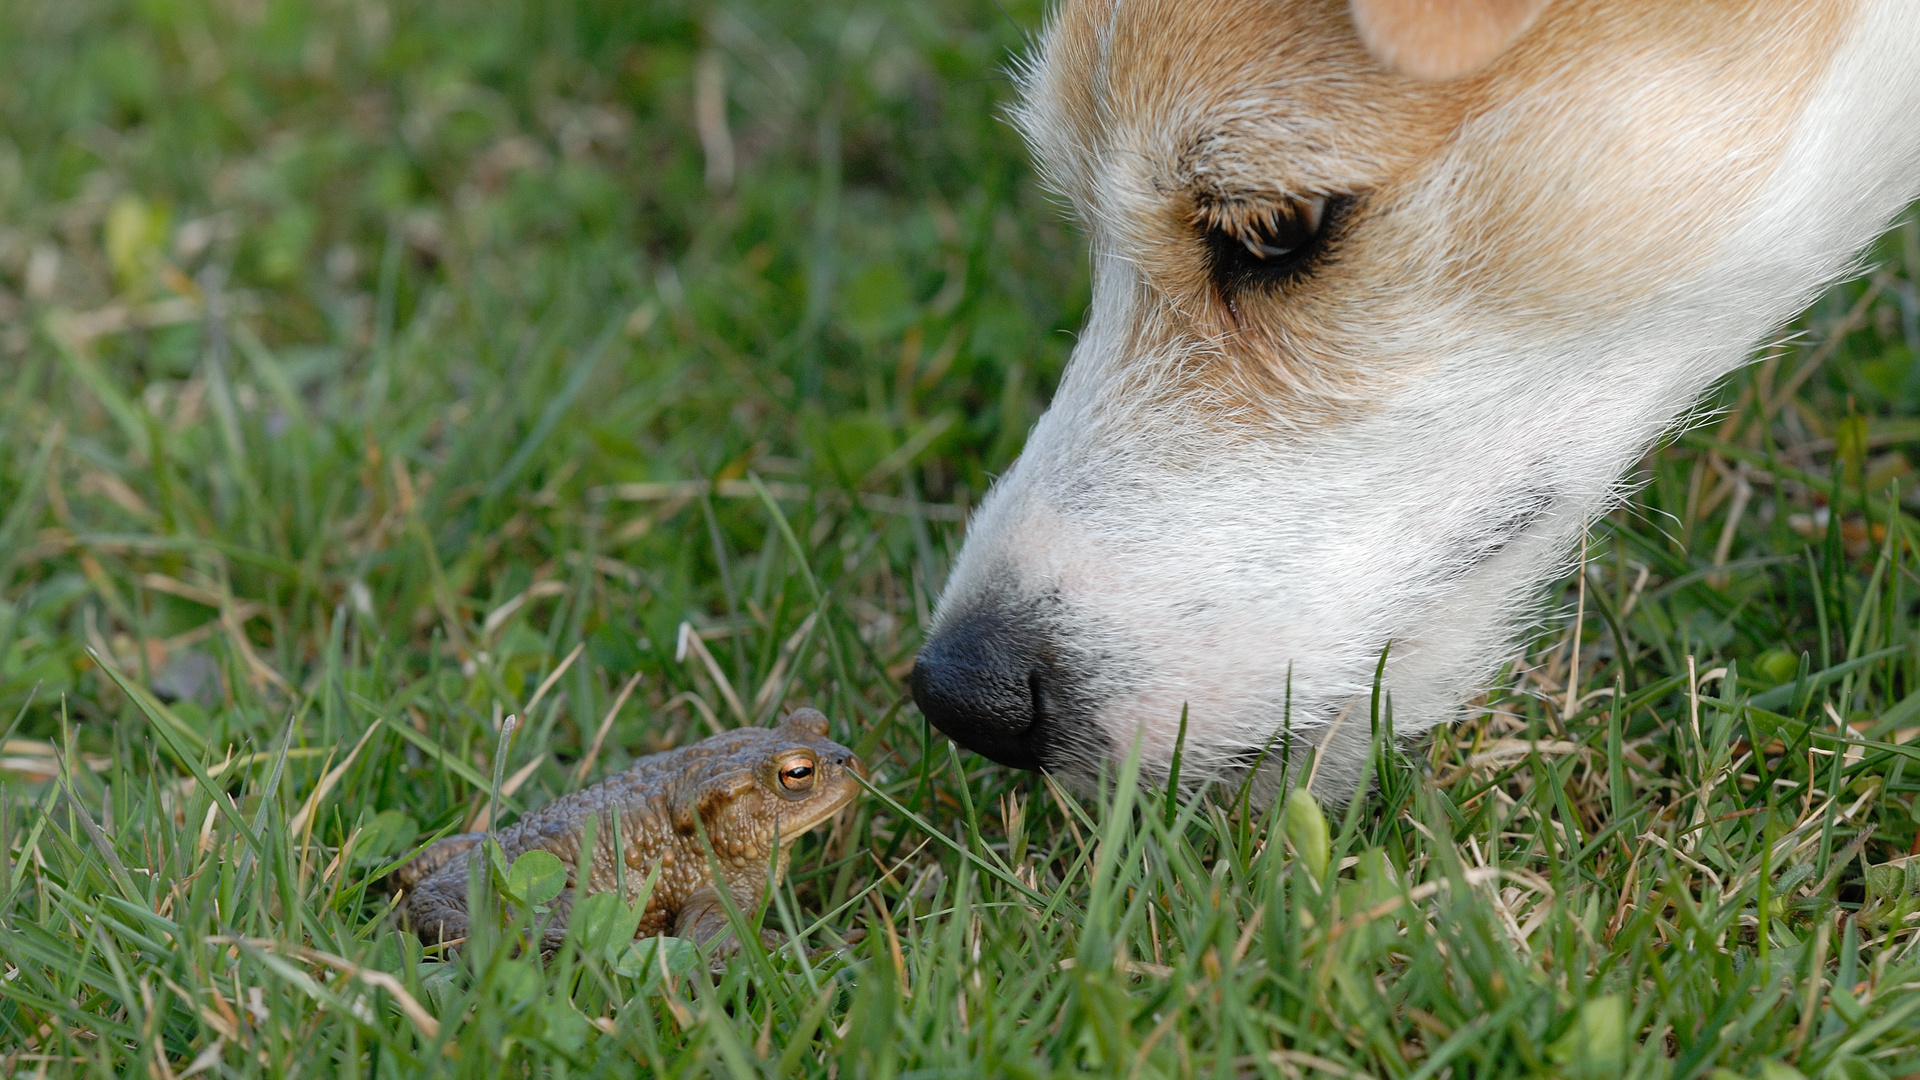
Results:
<point x="796" y="774"/>
<point x="1264" y="245"/>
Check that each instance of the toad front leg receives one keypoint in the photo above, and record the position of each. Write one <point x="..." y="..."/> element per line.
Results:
<point x="702" y="918"/>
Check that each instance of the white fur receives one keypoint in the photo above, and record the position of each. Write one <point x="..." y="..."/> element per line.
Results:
<point x="1228" y="560"/>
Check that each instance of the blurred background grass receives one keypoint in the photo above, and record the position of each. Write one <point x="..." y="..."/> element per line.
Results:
<point x="376" y="370"/>
<point x="478" y="251"/>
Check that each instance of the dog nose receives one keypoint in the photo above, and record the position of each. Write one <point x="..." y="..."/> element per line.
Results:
<point x="983" y="680"/>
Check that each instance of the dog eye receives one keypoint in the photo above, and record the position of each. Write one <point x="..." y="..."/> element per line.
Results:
<point x="1256" y="247"/>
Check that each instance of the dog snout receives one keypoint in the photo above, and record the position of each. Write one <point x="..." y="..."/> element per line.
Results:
<point x="985" y="679"/>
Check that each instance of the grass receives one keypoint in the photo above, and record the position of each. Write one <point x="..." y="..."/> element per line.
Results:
<point x="380" y="370"/>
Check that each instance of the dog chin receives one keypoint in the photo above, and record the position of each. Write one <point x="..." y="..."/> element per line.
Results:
<point x="1065" y="655"/>
<point x="1030" y="678"/>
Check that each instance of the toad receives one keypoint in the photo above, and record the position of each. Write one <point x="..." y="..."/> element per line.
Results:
<point x="726" y="802"/>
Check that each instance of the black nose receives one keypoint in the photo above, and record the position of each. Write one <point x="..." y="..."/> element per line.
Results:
<point x="983" y="679"/>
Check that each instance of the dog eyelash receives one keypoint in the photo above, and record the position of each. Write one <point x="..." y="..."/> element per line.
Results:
<point x="1268" y="245"/>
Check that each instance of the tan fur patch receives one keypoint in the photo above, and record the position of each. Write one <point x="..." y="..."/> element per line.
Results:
<point x="1440" y="39"/>
<point x="1597" y="162"/>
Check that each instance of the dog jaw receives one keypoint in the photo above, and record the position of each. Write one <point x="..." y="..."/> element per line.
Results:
<point x="1241" y="498"/>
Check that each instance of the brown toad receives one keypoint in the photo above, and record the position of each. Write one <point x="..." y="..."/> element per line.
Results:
<point x="743" y="792"/>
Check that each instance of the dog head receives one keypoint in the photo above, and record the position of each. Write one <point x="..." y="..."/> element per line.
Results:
<point x="1382" y="308"/>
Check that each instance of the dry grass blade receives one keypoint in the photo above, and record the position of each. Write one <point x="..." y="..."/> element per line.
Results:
<point x="304" y="819"/>
<point x="606" y="724"/>
<point x="553" y="677"/>
<point x="690" y="642"/>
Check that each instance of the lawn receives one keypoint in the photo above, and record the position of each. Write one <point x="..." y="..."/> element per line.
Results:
<point x="376" y="371"/>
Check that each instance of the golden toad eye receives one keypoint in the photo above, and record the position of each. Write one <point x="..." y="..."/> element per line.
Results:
<point x="797" y="774"/>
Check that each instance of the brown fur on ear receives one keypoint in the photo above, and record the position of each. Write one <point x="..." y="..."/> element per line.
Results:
<point x="1440" y="39"/>
<point x="811" y="721"/>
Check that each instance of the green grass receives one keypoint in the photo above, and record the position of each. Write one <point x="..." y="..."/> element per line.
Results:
<point x="365" y="362"/>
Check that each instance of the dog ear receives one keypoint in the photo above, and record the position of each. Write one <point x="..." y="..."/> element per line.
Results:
<point x="1440" y="39"/>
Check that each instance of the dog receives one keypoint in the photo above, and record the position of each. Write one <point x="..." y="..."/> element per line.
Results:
<point x="1386" y="297"/>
